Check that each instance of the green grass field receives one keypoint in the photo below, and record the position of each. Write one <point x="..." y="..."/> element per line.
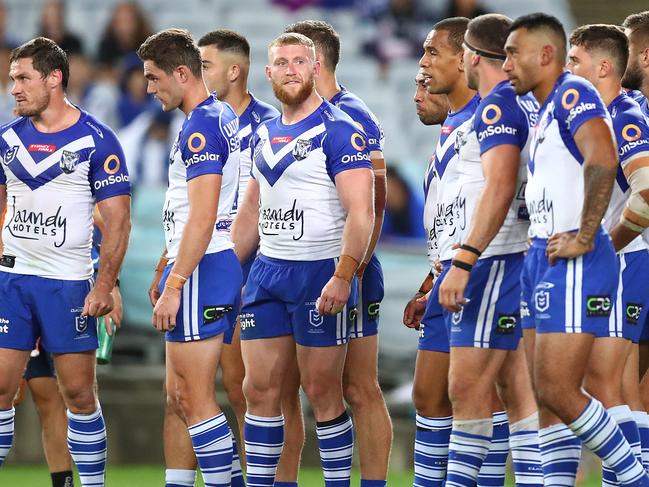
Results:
<point x="150" y="476"/>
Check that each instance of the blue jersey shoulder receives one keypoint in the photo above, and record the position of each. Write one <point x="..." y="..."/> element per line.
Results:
<point x="360" y="113"/>
<point x="630" y="127"/>
<point x="576" y="101"/>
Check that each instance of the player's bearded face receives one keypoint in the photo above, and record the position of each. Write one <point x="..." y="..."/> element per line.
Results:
<point x="33" y="102"/>
<point x="633" y="75"/>
<point x="293" y="90"/>
<point x="521" y="64"/>
<point x="30" y="89"/>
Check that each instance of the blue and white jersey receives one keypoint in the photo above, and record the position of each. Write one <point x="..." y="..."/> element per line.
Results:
<point x="356" y="108"/>
<point x="502" y="118"/>
<point x="555" y="179"/>
<point x="632" y="136"/>
<point x="53" y="181"/>
<point x="444" y="227"/>
<point x="300" y="214"/>
<point x="207" y="144"/>
<point x="639" y="97"/>
<point x="255" y="113"/>
<point x="430" y="211"/>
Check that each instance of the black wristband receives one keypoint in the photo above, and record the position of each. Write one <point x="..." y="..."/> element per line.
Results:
<point x="471" y="249"/>
<point x="462" y="265"/>
<point x="117" y="282"/>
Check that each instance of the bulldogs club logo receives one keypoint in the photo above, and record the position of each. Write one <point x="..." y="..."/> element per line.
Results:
<point x="301" y="149"/>
<point x="69" y="161"/>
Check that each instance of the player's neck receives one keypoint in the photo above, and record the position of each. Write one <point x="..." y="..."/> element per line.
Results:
<point x="644" y="88"/>
<point x="546" y="85"/>
<point x="292" y="114"/>
<point x="238" y="99"/>
<point x="327" y="85"/>
<point x="59" y="115"/>
<point x="609" y="90"/>
<point x="194" y="96"/>
<point x="488" y="81"/>
<point x="459" y="96"/>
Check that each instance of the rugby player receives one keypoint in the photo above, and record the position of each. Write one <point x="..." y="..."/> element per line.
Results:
<point x="310" y="205"/>
<point x="360" y="378"/>
<point x="442" y="62"/>
<point x="197" y="283"/>
<point x="58" y="161"/>
<point x="636" y="76"/>
<point x="599" y="53"/>
<point x="570" y="272"/>
<point x="480" y="291"/>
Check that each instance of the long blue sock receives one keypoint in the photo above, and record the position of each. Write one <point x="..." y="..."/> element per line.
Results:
<point x="560" y="455"/>
<point x="264" y="442"/>
<point x="176" y="477"/>
<point x="212" y="441"/>
<point x="470" y="440"/>
<point x="6" y="432"/>
<point x="492" y="471"/>
<point x="642" y="420"/>
<point x="237" y="474"/>
<point x="624" y="418"/>
<point x="602" y="436"/>
<point x="336" y="444"/>
<point x="87" y="445"/>
<point x="526" y="455"/>
<point x="431" y="450"/>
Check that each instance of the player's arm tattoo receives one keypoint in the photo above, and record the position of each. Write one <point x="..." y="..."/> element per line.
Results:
<point x="598" y="185"/>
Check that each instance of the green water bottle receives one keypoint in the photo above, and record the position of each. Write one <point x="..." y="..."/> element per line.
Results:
<point x="105" y="350"/>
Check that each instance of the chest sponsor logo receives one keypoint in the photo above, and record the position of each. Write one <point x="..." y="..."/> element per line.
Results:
<point x="281" y="139"/>
<point x="69" y="161"/>
<point x="280" y="221"/>
<point x="48" y="148"/>
<point x="38" y="225"/>
<point x="302" y="149"/>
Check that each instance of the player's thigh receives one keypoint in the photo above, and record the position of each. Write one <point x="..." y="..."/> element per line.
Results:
<point x="361" y="362"/>
<point x="430" y="388"/>
<point x="232" y="362"/>
<point x="192" y="365"/>
<point x="529" y="344"/>
<point x="463" y="364"/>
<point x="321" y="366"/>
<point x="266" y="363"/>
<point x="606" y="368"/>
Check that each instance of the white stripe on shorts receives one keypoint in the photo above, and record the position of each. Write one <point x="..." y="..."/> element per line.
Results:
<point x="579" y="274"/>
<point x="195" y="312"/>
<point x="570" y="296"/>
<point x="186" y="325"/>
<point x="484" y="322"/>
<point x="616" y="317"/>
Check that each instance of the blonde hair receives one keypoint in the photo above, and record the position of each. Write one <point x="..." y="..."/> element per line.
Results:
<point x="293" y="39"/>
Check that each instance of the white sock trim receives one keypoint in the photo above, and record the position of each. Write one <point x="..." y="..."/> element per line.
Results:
<point x="531" y="423"/>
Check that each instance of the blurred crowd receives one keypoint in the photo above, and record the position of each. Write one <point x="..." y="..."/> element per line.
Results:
<point x="109" y="83"/>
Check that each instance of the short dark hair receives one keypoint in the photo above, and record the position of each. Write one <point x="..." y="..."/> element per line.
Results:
<point x="638" y="24"/>
<point x="228" y="41"/>
<point x="456" y="27"/>
<point x="46" y="56"/>
<point x="323" y="35"/>
<point x="490" y="31"/>
<point x="171" y="48"/>
<point x="540" y="21"/>
<point x="606" y="38"/>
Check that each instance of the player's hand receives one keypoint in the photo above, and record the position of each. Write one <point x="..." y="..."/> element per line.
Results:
<point x="334" y="296"/>
<point x="451" y="291"/>
<point x="99" y="302"/>
<point x="565" y="245"/>
<point x="154" y="288"/>
<point x="166" y="309"/>
<point x="116" y="315"/>
<point x="414" y="310"/>
<point x="437" y="267"/>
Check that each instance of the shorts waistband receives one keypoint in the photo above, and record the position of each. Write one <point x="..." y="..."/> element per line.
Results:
<point x="276" y="261"/>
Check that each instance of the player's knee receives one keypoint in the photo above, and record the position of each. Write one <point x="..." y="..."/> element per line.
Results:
<point x="429" y="402"/>
<point x="80" y="398"/>
<point x="235" y="397"/>
<point x="361" y="393"/>
<point x="259" y="393"/>
<point x="462" y="390"/>
<point x="321" y="391"/>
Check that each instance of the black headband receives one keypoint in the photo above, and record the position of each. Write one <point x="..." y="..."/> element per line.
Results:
<point x="487" y="54"/>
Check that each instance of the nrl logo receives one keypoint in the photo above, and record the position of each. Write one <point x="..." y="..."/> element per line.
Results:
<point x="69" y="161"/>
<point x="302" y="149"/>
<point x="10" y="155"/>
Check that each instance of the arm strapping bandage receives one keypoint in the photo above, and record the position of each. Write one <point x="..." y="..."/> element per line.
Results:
<point x="636" y="214"/>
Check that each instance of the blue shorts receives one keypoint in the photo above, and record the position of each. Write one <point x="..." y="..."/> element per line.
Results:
<point x="433" y="335"/>
<point x="369" y="302"/>
<point x="41" y="365"/>
<point x="279" y="299"/>
<point x="228" y="335"/>
<point x="574" y="295"/>
<point x="35" y="307"/>
<point x="210" y="298"/>
<point x="491" y="317"/>
<point x="629" y="312"/>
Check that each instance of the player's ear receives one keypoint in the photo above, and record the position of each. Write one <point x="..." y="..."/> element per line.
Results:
<point x="316" y="67"/>
<point x="55" y="78"/>
<point x="547" y="54"/>
<point x="604" y="68"/>
<point x="182" y="73"/>
<point x="234" y="72"/>
<point x="268" y="72"/>
<point x="644" y="57"/>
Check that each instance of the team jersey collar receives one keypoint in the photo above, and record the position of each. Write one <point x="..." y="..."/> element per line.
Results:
<point x="500" y="86"/>
<point x="82" y="117"/>
<point x="562" y="77"/>
<point x="250" y="107"/>
<point x="308" y="120"/>
<point x="336" y="98"/>
<point x="616" y="100"/>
